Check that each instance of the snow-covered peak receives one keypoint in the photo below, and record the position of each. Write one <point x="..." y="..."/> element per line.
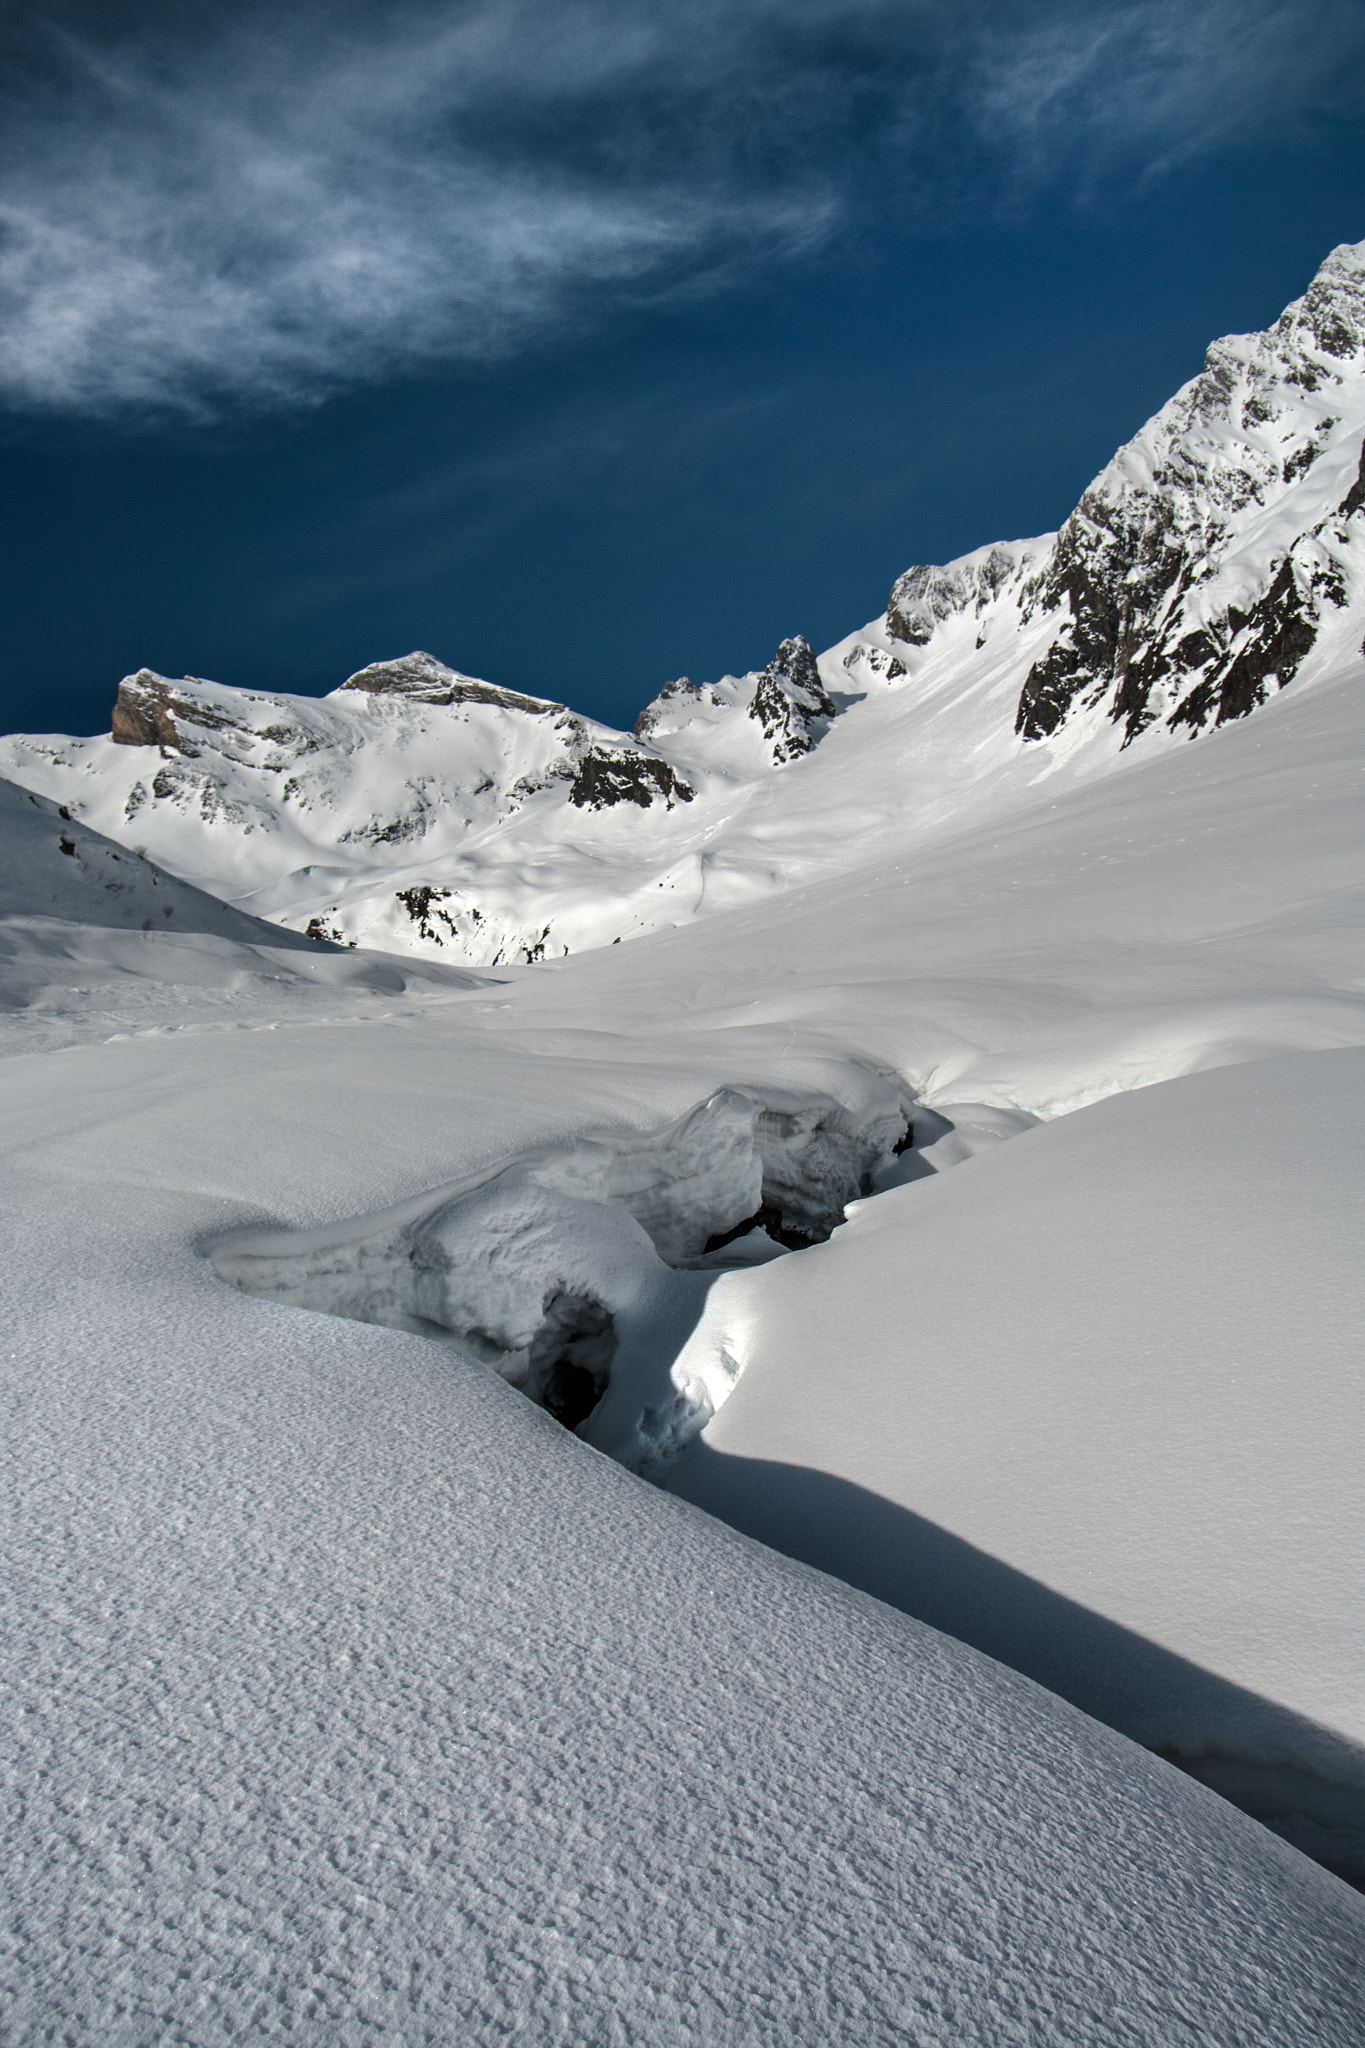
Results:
<point x="1207" y="562"/>
<point x="1218" y="558"/>
<point x="925" y="596"/>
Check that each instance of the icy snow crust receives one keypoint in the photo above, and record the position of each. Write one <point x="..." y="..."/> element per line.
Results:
<point x="556" y="1271"/>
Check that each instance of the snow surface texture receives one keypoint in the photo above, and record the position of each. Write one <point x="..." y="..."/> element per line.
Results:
<point x="1115" y="1442"/>
<point x="350" y="1698"/>
<point x="1218" y="560"/>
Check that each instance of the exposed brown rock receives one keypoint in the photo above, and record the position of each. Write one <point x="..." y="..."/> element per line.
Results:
<point x="424" y="680"/>
<point x="143" y="715"/>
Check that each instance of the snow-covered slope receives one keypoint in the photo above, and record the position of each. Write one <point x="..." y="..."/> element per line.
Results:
<point x="1092" y="1403"/>
<point x="349" y="1697"/>
<point x="55" y="867"/>
<point x="95" y="943"/>
<point x="1217" y="560"/>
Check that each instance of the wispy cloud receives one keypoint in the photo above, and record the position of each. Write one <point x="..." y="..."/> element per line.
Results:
<point x="212" y="210"/>
<point x="1141" y="85"/>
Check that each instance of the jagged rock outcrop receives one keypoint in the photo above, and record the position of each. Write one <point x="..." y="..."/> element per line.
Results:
<point x="787" y="702"/>
<point x="1200" y="568"/>
<point x="603" y="779"/>
<point x="152" y="711"/>
<point x="143" y="715"/>
<point x="790" y="701"/>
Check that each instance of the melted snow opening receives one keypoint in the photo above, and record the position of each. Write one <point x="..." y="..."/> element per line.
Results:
<point x="579" y="1270"/>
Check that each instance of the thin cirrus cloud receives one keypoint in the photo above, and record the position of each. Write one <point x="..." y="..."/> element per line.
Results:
<point x="241" y="211"/>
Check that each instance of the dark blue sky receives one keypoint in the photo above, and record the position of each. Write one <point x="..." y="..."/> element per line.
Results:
<point x="585" y="353"/>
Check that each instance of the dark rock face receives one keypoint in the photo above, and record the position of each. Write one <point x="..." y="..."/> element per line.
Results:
<point x="424" y="907"/>
<point x="1127" y="569"/>
<point x="1355" y="497"/>
<point x="788" y="699"/>
<point x="1199" y="568"/>
<point x="603" y="779"/>
<point x="1274" y="637"/>
<point x="1128" y="628"/>
<point x="424" y="680"/>
<point x="1114" y="580"/>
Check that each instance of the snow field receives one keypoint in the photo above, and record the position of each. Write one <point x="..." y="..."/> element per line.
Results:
<point x="352" y="1699"/>
<point x="1091" y="1402"/>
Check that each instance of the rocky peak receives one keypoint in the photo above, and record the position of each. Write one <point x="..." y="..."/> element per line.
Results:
<point x="1134" y="576"/>
<point x="1330" y="317"/>
<point x="144" y="713"/>
<point x="422" y="679"/>
<point x="789" y="699"/>
<point x="152" y="711"/>
<point x="925" y="596"/>
<point x="1201" y="566"/>
<point x="649" y="717"/>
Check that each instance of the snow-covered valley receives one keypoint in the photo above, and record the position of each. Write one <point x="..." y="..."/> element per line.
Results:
<point x="941" y="1209"/>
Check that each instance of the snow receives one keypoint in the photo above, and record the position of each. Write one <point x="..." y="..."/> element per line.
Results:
<point x="351" y="1698"/>
<point x="556" y="1271"/>
<point x="95" y="943"/>
<point x="1091" y="1402"/>
<point x="804" y="1688"/>
<point x="55" y="867"/>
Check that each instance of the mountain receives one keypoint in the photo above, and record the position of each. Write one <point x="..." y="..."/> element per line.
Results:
<point x="750" y="1486"/>
<point x="1209" y="561"/>
<point x="1218" y="559"/>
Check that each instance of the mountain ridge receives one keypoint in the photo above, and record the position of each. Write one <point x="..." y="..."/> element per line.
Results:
<point x="1218" y="558"/>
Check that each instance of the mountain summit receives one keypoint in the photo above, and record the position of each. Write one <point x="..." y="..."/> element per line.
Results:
<point x="1217" y="559"/>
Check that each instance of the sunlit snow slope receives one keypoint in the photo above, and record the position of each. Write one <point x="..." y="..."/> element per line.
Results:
<point x="1218" y="560"/>
<point x="348" y="1697"/>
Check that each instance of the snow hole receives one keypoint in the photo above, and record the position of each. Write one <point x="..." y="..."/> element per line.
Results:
<point x="578" y="1271"/>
